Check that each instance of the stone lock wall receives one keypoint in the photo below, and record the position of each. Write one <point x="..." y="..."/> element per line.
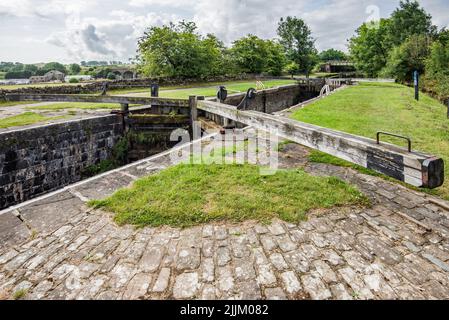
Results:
<point x="271" y="100"/>
<point x="42" y="159"/>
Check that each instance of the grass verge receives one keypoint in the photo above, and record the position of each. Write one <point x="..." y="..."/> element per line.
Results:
<point x="187" y="195"/>
<point x="13" y="103"/>
<point x="24" y="119"/>
<point x="204" y="89"/>
<point x="371" y="107"/>
<point x="77" y="105"/>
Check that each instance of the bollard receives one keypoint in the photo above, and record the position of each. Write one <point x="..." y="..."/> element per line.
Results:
<point x="416" y="81"/>
<point x="155" y="90"/>
<point x="193" y="105"/>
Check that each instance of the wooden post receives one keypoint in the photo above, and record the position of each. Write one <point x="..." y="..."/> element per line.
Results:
<point x="124" y="107"/>
<point x="193" y="105"/>
<point x="416" y="83"/>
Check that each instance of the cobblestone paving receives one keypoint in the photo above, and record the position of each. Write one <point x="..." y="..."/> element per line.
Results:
<point x="398" y="249"/>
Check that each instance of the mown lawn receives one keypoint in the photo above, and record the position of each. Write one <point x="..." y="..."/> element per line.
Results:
<point x="203" y="89"/>
<point x="24" y="119"/>
<point x="12" y="103"/>
<point x="168" y="92"/>
<point x="76" y="105"/>
<point x="187" y="195"/>
<point x="35" y="85"/>
<point x="371" y="107"/>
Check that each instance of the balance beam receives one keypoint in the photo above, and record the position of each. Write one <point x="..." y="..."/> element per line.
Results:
<point x="98" y="99"/>
<point x="415" y="168"/>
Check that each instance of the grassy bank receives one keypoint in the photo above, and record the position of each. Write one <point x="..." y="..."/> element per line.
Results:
<point x="187" y="195"/>
<point x="371" y="107"/>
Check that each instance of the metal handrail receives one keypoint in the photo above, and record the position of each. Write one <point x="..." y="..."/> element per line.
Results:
<point x="397" y="136"/>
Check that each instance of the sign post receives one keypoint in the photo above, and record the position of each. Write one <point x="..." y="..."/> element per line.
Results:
<point x="416" y="80"/>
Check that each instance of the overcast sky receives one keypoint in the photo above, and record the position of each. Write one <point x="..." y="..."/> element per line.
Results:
<point x="73" y="30"/>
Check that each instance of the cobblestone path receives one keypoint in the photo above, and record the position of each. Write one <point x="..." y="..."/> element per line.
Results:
<point x="58" y="248"/>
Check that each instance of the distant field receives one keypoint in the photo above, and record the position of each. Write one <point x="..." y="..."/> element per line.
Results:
<point x="2" y="75"/>
<point x="371" y="107"/>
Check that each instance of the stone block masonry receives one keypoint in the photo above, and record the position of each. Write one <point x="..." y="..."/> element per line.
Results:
<point x="45" y="158"/>
<point x="269" y="100"/>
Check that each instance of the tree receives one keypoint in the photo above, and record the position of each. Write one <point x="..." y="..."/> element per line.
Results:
<point x="407" y="20"/>
<point x="438" y="60"/>
<point x="177" y="50"/>
<point x="74" y="69"/>
<point x="276" y="59"/>
<point x="54" y="66"/>
<point x="409" y="57"/>
<point x="370" y="48"/>
<point x="436" y="79"/>
<point x="299" y="45"/>
<point x="332" y="55"/>
<point x="18" y="75"/>
<point x="255" y="55"/>
<point x="292" y="68"/>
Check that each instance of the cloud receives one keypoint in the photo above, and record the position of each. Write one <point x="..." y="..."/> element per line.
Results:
<point x="43" y="9"/>
<point x="109" y="29"/>
<point x="111" y="37"/>
<point x="93" y="41"/>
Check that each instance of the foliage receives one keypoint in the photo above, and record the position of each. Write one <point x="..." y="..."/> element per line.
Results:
<point x="332" y="55"/>
<point x="74" y="69"/>
<point x="292" y="68"/>
<point x="438" y="60"/>
<point x="407" y="20"/>
<point x="408" y="57"/>
<point x="370" y="47"/>
<point x="437" y="68"/>
<point x="18" y="75"/>
<point x="111" y="76"/>
<point x="53" y="66"/>
<point x="74" y="80"/>
<point x="178" y="50"/>
<point x="296" y="38"/>
<point x="187" y="195"/>
<point x="255" y="55"/>
<point x="394" y="42"/>
<point x="119" y="157"/>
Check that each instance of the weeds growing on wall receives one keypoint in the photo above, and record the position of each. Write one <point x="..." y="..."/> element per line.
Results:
<point x="119" y="157"/>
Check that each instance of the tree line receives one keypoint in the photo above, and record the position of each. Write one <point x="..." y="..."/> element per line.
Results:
<point x="178" y="50"/>
<point x="405" y="42"/>
<point x="16" y="70"/>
